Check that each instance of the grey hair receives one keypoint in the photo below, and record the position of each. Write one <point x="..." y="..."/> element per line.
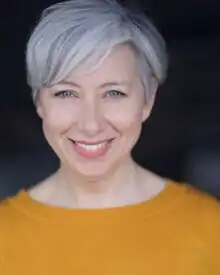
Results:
<point x="70" y="32"/>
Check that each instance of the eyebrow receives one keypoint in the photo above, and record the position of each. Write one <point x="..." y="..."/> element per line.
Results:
<point x="107" y="84"/>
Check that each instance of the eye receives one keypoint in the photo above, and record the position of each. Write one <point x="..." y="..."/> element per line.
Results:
<point x="115" y="93"/>
<point x="65" y="93"/>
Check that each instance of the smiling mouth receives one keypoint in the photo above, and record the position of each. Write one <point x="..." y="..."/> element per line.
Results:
<point x="92" y="149"/>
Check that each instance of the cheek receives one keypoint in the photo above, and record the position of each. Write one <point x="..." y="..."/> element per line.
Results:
<point x="128" y="125"/>
<point x="129" y="114"/>
<point x="57" y="119"/>
<point x="126" y="119"/>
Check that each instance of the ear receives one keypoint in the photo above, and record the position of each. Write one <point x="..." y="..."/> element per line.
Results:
<point x="39" y="111"/>
<point x="39" y="107"/>
<point x="149" y="103"/>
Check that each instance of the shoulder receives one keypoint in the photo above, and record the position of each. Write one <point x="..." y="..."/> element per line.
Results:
<point x="200" y="210"/>
<point x="12" y="220"/>
<point x="195" y="200"/>
<point x="8" y="227"/>
<point x="198" y="216"/>
<point x="199" y="200"/>
<point x="15" y="231"/>
<point x="8" y="218"/>
<point x="16" y="227"/>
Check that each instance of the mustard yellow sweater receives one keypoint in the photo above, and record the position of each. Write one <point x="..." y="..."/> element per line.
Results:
<point x="175" y="233"/>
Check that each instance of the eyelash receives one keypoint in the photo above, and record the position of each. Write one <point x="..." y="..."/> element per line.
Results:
<point x="66" y="93"/>
<point x="119" y="93"/>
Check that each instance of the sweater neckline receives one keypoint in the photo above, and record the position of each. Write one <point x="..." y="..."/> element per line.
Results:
<point x="167" y="198"/>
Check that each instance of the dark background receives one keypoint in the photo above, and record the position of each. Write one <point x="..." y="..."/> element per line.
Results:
<point x="181" y="140"/>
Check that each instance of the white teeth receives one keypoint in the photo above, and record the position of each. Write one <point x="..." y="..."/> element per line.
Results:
<point x="91" y="147"/>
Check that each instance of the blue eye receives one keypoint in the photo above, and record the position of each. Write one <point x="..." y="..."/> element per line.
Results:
<point x="115" y="93"/>
<point x="65" y="93"/>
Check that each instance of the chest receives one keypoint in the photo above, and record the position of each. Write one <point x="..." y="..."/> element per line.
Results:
<point x="127" y="251"/>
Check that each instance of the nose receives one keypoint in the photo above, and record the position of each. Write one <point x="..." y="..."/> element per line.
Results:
<point x="90" y="120"/>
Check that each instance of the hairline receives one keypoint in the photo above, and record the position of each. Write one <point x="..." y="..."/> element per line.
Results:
<point x="100" y="61"/>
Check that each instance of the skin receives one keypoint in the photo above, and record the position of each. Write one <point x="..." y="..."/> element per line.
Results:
<point x="88" y="107"/>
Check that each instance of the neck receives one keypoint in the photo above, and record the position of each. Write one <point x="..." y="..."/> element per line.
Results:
<point x="129" y="184"/>
<point x="120" y="187"/>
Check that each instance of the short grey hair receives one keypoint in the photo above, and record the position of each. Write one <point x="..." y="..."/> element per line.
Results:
<point x="70" y="32"/>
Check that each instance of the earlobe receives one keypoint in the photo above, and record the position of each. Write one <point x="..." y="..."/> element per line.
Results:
<point x="149" y="103"/>
<point x="39" y="109"/>
<point x="146" y="112"/>
<point x="38" y="105"/>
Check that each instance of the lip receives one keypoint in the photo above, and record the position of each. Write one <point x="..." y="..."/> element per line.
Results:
<point x="91" y="154"/>
<point x="91" y="142"/>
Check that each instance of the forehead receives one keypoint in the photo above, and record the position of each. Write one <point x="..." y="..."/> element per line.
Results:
<point x="120" y="64"/>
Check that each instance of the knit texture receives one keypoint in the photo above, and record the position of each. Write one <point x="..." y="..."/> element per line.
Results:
<point x="177" y="232"/>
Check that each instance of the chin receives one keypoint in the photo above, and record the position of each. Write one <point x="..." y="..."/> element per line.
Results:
<point x="92" y="171"/>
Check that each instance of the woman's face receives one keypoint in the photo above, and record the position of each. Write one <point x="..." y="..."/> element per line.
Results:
<point x="93" y="119"/>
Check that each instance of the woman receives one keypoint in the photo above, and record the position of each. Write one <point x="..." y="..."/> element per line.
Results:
<point x="94" y="68"/>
